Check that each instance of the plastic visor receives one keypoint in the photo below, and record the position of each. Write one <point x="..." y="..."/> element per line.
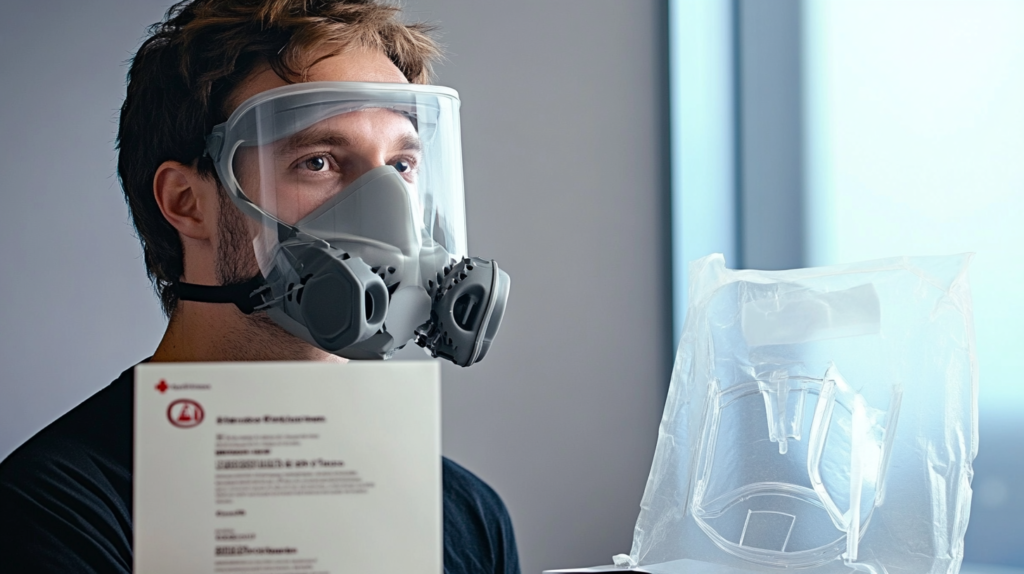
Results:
<point x="288" y="154"/>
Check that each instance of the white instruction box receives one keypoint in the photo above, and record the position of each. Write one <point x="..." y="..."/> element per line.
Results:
<point x="288" y="467"/>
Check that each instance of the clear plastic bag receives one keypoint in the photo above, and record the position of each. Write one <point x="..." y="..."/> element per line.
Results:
<point x="818" y="419"/>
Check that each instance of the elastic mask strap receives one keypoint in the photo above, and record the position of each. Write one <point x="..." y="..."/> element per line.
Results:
<point x="247" y="296"/>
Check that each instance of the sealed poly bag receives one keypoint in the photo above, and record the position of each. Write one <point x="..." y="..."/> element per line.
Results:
<point x="821" y="420"/>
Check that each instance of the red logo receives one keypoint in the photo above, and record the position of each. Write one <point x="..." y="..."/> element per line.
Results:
<point x="185" y="413"/>
<point x="162" y="386"/>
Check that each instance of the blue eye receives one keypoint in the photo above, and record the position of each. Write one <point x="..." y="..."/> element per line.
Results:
<point x="402" y="166"/>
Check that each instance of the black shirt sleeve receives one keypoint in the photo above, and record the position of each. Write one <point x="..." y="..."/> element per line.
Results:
<point x="65" y="495"/>
<point x="478" y="535"/>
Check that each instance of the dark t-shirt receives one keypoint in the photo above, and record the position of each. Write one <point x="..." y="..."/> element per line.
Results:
<point x="66" y="499"/>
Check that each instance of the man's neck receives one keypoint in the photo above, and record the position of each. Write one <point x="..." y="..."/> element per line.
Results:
<point x="202" y="332"/>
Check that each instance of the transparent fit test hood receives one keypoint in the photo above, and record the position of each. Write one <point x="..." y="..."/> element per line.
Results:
<point x="821" y="420"/>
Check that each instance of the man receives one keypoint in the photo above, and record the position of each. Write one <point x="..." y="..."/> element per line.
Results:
<point x="65" y="495"/>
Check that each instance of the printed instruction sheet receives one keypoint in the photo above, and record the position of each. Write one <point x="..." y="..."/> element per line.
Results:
<point x="288" y="467"/>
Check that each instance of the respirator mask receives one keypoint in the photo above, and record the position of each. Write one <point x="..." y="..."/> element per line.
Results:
<point x="358" y="191"/>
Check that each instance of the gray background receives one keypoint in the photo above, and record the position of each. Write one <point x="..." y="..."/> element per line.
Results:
<point x="565" y="136"/>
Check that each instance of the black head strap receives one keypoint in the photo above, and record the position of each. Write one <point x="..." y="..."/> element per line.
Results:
<point x="247" y="296"/>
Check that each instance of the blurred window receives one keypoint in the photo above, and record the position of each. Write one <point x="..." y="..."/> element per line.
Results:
<point x="909" y="134"/>
<point x="914" y="119"/>
<point x="702" y="125"/>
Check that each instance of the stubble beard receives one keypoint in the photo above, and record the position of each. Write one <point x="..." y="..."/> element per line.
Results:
<point x="260" y="337"/>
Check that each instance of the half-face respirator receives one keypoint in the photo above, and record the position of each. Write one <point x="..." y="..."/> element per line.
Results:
<point x="362" y="244"/>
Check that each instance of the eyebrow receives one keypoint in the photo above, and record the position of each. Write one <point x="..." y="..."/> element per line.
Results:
<point x="314" y="137"/>
<point x="321" y="137"/>
<point x="410" y="143"/>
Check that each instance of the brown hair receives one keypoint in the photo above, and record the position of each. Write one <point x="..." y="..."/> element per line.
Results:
<point x="183" y="75"/>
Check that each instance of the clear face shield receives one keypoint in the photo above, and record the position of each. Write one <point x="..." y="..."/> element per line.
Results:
<point x="362" y="238"/>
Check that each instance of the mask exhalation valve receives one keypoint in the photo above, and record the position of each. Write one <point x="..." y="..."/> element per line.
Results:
<point x="467" y="310"/>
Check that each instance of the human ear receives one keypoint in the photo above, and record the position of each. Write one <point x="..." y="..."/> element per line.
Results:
<point x="187" y="200"/>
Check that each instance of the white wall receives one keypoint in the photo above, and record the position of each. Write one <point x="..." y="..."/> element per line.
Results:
<point x="565" y="131"/>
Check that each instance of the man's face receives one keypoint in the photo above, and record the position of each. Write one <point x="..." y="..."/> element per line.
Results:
<point x="293" y="176"/>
